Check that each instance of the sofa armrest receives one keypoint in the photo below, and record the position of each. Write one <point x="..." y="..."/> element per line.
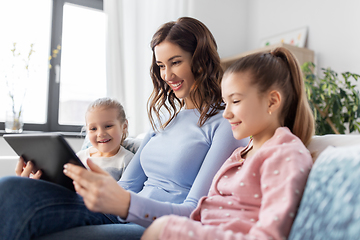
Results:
<point x="7" y="165"/>
<point x="320" y="143"/>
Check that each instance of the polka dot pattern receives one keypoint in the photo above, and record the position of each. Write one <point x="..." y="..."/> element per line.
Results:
<point x="235" y="197"/>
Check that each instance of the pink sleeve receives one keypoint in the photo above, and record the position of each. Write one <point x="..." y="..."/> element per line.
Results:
<point x="283" y="178"/>
<point x="183" y="228"/>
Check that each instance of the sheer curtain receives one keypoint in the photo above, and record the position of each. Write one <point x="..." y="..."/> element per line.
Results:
<point x="130" y="26"/>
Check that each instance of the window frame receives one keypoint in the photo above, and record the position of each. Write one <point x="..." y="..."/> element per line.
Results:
<point x="52" y="123"/>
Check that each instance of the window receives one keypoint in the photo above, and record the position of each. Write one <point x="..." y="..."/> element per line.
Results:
<point x="56" y="98"/>
<point x="25" y="22"/>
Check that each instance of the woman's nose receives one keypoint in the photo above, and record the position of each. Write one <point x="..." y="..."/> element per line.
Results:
<point x="168" y="74"/>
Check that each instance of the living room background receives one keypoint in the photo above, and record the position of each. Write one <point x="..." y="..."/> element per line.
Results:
<point x="238" y="26"/>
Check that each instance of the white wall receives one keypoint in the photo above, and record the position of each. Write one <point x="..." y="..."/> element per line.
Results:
<point x="333" y="28"/>
<point x="227" y="20"/>
<point x="240" y="25"/>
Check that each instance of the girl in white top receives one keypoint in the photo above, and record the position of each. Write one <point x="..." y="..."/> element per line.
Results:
<point x="107" y="128"/>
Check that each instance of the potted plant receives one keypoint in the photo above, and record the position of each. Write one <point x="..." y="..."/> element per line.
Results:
<point x="334" y="100"/>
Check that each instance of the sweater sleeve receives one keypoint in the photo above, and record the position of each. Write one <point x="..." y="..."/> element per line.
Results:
<point x="144" y="211"/>
<point x="283" y="177"/>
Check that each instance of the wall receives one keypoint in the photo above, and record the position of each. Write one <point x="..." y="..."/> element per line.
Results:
<point x="227" y="20"/>
<point x="333" y="26"/>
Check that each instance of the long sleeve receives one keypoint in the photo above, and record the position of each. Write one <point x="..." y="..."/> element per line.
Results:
<point x="144" y="210"/>
<point x="178" y="167"/>
<point x="256" y="200"/>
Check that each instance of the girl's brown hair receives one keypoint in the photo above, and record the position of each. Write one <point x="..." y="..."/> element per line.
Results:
<point x="280" y="68"/>
<point x="109" y="103"/>
<point x="194" y="37"/>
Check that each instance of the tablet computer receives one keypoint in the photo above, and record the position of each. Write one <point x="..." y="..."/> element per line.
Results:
<point x="48" y="151"/>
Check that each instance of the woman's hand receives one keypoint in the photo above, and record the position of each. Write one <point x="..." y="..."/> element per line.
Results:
<point x="100" y="191"/>
<point x="154" y="230"/>
<point x="23" y="169"/>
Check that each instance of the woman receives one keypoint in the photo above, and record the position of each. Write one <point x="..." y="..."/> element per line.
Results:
<point x="256" y="193"/>
<point x="170" y="172"/>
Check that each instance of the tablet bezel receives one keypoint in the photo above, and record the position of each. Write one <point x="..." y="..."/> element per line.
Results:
<point x="48" y="151"/>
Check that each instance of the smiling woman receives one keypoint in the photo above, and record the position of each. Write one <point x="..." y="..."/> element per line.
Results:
<point x="172" y="168"/>
<point x="175" y="70"/>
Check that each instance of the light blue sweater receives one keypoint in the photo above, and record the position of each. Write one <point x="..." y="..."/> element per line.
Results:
<point x="174" y="168"/>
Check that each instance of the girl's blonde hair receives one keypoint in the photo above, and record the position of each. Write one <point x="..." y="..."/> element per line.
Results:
<point x="280" y="68"/>
<point x="110" y="103"/>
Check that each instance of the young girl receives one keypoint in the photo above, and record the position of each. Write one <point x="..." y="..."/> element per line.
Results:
<point x="169" y="173"/>
<point x="256" y="192"/>
<point x="107" y="128"/>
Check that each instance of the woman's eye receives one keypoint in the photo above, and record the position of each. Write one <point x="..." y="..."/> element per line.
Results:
<point x="161" y="67"/>
<point x="176" y="63"/>
<point x="236" y="101"/>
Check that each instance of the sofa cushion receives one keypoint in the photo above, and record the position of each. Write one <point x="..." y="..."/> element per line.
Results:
<point x="319" y="143"/>
<point x="330" y="206"/>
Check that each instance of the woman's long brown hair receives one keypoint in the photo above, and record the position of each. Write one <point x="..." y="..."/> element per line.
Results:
<point x="194" y="37"/>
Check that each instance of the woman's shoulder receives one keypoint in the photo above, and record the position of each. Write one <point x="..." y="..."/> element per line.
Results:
<point x="217" y="118"/>
<point x="192" y="116"/>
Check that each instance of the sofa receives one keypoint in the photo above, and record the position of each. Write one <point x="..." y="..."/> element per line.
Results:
<point x="330" y="206"/>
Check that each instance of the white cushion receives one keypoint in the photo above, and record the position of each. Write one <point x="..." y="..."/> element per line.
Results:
<point x="319" y="143"/>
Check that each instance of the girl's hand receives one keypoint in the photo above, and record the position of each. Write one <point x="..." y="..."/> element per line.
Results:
<point x="154" y="230"/>
<point x="100" y="191"/>
<point x="23" y="169"/>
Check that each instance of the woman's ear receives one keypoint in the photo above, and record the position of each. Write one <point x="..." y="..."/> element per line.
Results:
<point x="274" y="101"/>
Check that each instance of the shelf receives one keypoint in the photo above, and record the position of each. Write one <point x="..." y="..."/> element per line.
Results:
<point x="302" y="54"/>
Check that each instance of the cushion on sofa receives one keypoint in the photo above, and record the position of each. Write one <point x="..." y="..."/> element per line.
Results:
<point x="330" y="206"/>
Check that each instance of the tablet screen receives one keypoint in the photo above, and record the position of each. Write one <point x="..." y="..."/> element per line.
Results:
<point x="48" y="151"/>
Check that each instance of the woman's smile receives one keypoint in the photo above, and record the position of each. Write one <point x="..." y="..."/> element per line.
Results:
<point x="176" y="86"/>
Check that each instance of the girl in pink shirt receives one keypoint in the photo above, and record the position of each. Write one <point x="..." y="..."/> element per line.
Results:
<point x="256" y="193"/>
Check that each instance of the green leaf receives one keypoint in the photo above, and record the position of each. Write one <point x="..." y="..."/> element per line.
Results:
<point x="335" y="96"/>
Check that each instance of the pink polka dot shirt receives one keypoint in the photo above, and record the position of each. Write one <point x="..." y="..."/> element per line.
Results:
<point x="256" y="198"/>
